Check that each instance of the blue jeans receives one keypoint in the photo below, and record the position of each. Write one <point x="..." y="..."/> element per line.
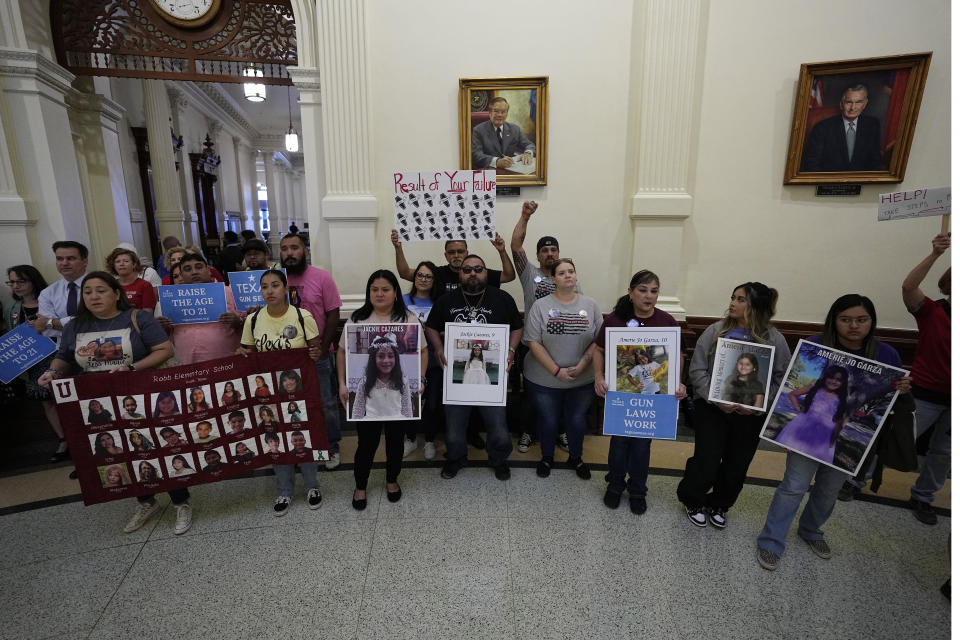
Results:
<point x="786" y="501"/>
<point x="285" y="472"/>
<point x="331" y="406"/>
<point x="628" y="455"/>
<point x="552" y="405"/>
<point x="936" y="464"/>
<point x="499" y="444"/>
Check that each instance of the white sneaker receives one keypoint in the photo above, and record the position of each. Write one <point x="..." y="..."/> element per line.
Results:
<point x="143" y="513"/>
<point x="184" y="519"/>
<point x="333" y="462"/>
<point x="429" y="451"/>
<point x="523" y="445"/>
<point x="280" y="506"/>
<point x="409" y="446"/>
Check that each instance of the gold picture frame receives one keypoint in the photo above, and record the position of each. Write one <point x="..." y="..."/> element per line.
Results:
<point x="524" y="128"/>
<point x="882" y="94"/>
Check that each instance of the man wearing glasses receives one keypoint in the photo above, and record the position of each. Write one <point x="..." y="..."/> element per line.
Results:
<point x="455" y="251"/>
<point x="497" y="144"/>
<point x="475" y="302"/>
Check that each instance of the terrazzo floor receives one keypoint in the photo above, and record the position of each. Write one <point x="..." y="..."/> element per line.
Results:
<point x="470" y="557"/>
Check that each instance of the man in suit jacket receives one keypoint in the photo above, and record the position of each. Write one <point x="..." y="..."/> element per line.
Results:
<point x="848" y="142"/>
<point x="489" y="151"/>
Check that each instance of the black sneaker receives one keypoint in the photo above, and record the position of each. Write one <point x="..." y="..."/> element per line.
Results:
<point x="281" y="506"/>
<point x="563" y="442"/>
<point x="523" y="445"/>
<point x="696" y="516"/>
<point x="502" y="472"/>
<point x="847" y="492"/>
<point x="450" y="470"/>
<point x="578" y="465"/>
<point x="611" y="499"/>
<point x="638" y="505"/>
<point x="718" y="518"/>
<point x="923" y="512"/>
<point x="543" y="467"/>
<point x="314" y="498"/>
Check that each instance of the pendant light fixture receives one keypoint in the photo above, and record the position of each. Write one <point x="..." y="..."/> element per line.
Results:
<point x="291" y="139"/>
<point x="254" y="91"/>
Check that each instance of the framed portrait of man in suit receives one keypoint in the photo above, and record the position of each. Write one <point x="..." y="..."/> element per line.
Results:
<point x="853" y="120"/>
<point x="503" y="126"/>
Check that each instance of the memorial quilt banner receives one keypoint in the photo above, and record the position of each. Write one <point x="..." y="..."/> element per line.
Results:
<point x="193" y="303"/>
<point x="143" y="432"/>
<point x="642" y="369"/>
<point x="20" y="349"/>
<point x="741" y="374"/>
<point x="830" y="405"/>
<point x="245" y="286"/>
<point x="383" y="371"/>
<point x="445" y="205"/>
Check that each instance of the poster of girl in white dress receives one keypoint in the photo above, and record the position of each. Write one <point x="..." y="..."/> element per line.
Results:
<point x="476" y="364"/>
<point x="383" y="371"/>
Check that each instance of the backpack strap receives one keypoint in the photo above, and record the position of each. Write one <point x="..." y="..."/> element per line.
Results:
<point x="303" y="327"/>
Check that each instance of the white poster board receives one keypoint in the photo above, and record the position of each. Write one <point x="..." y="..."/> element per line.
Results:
<point x="643" y="359"/>
<point x="476" y="371"/>
<point x="383" y="371"/>
<point x="458" y="204"/>
<point x="741" y="374"/>
<point x="918" y="203"/>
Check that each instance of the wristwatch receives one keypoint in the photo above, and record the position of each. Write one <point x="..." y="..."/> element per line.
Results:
<point x="49" y="323"/>
<point x="131" y="367"/>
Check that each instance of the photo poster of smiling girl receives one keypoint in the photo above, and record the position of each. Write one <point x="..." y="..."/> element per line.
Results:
<point x="741" y="374"/>
<point x="383" y="371"/>
<point x="831" y="405"/>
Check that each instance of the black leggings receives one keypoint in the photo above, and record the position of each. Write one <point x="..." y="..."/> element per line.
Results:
<point x="368" y="439"/>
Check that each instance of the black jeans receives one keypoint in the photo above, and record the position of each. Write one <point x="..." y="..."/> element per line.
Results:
<point x="177" y="496"/>
<point x="725" y="446"/>
<point x="431" y="413"/>
<point x="368" y="439"/>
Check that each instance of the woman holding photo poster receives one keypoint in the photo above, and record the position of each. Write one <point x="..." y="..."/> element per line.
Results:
<point x="631" y="455"/>
<point x="559" y="330"/>
<point x="383" y="305"/>
<point x="105" y="310"/>
<point x="849" y="326"/>
<point x="277" y="326"/>
<point x="727" y="435"/>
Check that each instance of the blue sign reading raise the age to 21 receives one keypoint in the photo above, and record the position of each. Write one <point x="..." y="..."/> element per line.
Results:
<point x="245" y="286"/>
<point x="638" y="415"/>
<point x="20" y="349"/>
<point x="193" y="303"/>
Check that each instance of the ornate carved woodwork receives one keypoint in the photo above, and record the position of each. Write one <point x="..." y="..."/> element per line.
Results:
<point x="130" y="38"/>
<point x="204" y="166"/>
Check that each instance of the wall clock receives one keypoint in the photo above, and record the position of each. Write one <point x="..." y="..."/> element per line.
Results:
<point x="187" y="13"/>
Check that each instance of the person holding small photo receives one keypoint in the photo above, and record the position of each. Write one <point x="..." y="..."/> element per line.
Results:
<point x="275" y="327"/>
<point x="743" y="386"/>
<point x="849" y="326"/>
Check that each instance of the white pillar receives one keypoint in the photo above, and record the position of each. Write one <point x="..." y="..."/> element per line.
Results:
<point x="337" y="142"/>
<point x="214" y="129"/>
<point x="14" y="222"/>
<point x="667" y="52"/>
<point x="191" y="234"/>
<point x="246" y="182"/>
<point x="253" y="196"/>
<point x="272" y="205"/>
<point x="289" y="179"/>
<point x="166" y="185"/>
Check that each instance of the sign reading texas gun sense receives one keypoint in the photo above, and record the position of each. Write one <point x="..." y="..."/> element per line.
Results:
<point x="199" y="423"/>
<point x="445" y="205"/>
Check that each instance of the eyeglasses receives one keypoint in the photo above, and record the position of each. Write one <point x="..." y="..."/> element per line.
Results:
<point x="11" y="283"/>
<point x="424" y="276"/>
<point x="476" y="269"/>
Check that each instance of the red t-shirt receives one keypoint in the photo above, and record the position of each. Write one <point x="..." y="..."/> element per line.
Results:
<point x="931" y="364"/>
<point x="140" y="293"/>
<point x="659" y="318"/>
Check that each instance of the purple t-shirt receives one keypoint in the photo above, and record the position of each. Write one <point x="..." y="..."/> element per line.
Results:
<point x="315" y="291"/>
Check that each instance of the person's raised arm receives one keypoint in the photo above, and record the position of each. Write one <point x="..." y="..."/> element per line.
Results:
<point x="508" y="274"/>
<point x="520" y="234"/>
<point x="403" y="269"/>
<point x="910" y="289"/>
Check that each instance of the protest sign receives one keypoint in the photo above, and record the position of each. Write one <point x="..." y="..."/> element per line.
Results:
<point x="642" y="373"/>
<point x="20" y="349"/>
<point x="445" y="205"/>
<point x="245" y="286"/>
<point x="830" y="405"/>
<point x="181" y="426"/>
<point x="914" y="204"/>
<point x="476" y="371"/>
<point x="383" y="371"/>
<point x="741" y="374"/>
<point x="193" y="303"/>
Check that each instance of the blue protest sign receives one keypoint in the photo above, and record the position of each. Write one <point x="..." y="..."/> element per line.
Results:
<point x="20" y="349"/>
<point x="640" y="415"/>
<point x="245" y="286"/>
<point x="193" y="303"/>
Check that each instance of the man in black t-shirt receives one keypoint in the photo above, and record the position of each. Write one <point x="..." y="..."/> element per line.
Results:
<point x="455" y="251"/>
<point x="477" y="302"/>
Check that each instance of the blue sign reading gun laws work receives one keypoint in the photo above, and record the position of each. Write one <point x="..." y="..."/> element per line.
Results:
<point x="638" y="415"/>
<point x="20" y="349"/>
<point x="245" y="286"/>
<point x="193" y="303"/>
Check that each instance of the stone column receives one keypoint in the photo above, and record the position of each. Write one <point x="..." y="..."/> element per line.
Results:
<point x="272" y="204"/>
<point x="339" y="166"/>
<point x="245" y="182"/>
<point x="668" y="43"/>
<point x="166" y="185"/>
<point x="253" y="195"/>
<point x="178" y="103"/>
<point x="214" y="129"/>
<point x="280" y="180"/>
<point x="290" y="198"/>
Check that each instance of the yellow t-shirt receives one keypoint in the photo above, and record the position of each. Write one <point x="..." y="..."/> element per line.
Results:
<point x="273" y="334"/>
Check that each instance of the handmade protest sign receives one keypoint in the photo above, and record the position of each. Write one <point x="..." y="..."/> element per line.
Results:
<point x="20" y="349"/>
<point x="193" y="303"/>
<point x="245" y="286"/>
<point x="642" y="372"/>
<point x="830" y="405"/>
<point x="741" y="374"/>
<point x="445" y="205"/>
<point x="141" y="432"/>
<point x="476" y="371"/>
<point x="914" y="204"/>
<point x="383" y="371"/>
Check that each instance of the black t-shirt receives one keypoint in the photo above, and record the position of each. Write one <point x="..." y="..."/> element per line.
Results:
<point x="450" y="279"/>
<point x="493" y="306"/>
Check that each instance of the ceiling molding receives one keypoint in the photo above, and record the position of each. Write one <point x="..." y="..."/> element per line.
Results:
<point x="215" y="104"/>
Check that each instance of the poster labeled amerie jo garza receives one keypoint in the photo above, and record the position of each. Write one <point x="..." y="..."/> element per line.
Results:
<point x="143" y="432"/>
<point x="445" y="205"/>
